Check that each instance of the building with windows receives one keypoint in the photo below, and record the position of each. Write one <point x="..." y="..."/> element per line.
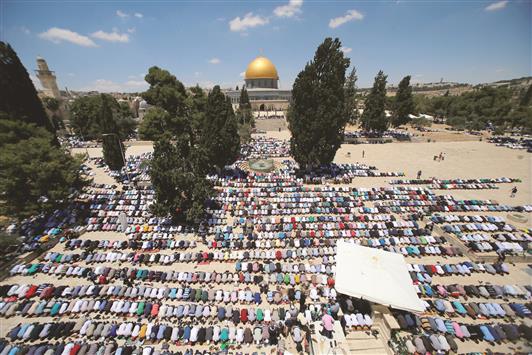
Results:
<point x="262" y="83"/>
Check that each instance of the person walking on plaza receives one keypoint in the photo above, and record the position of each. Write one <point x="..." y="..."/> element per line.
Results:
<point x="363" y="153"/>
<point x="419" y="175"/>
<point x="514" y="191"/>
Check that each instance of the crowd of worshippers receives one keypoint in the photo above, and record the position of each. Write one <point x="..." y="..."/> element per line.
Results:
<point x="136" y="169"/>
<point x="522" y="143"/>
<point x="458" y="184"/>
<point x="263" y="147"/>
<point x="281" y="266"/>
<point x="437" y="335"/>
<point x="485" y="233"/>
<point x="443" y="203"/>
<point x="110" y="347"/>
<point x="399" y="135"/>
<point x="340" y="173"/>
<point x="451" y="301"/>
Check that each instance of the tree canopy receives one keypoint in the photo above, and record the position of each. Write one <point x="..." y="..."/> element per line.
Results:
<point x="194" y="135"/>
<point x="244" y="99"/>
<point x="219" y="131"/>
<point x="403" y="104"/>
<point x="19" y="100"/>
<point x="351" y="98"/>
<point x="317" y="115"/>
<point x="85" y="117"/>
<point x="112" y="144"/>
<point x="36" y="176"/>
<point x="177" y="172"/>
<point x="165" y="91"/>
<point x="374" y="115"/>
<point x="157" y="122"/>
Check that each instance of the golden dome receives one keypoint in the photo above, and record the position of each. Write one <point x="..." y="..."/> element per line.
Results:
<point x="261" y="68"/>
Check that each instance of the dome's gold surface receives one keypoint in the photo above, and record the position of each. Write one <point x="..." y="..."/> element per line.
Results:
<point x="261" y="68"/>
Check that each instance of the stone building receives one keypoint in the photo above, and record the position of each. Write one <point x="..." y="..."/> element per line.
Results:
<point x="47" y="79"/>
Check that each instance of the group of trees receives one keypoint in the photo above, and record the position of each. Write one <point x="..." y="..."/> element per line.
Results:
<point x="36" y="174"/>
<point x="376" y="103"/>
<point x="324" y="100"/>
<point x="101" y="117"/>
<point x="195" y="134"/>
<point x="503" y="107"/>
<point x="86" y="117"/>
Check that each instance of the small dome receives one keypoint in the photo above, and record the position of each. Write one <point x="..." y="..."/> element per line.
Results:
<point x="261" y="68"/>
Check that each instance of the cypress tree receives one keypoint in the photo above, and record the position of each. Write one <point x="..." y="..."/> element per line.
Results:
<point x="19" y="100"/>
<point x="350" y="96"/>
<point x="374" y="115"/>
<point x="403" y="103"/>
<point x="219" y="132"/>
<point x="317" y="115"/>
<point x="112" y="145"/>
<point x="244" y="99"/>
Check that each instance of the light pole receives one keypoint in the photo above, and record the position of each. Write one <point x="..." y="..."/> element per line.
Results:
<point x="121" y="151"/>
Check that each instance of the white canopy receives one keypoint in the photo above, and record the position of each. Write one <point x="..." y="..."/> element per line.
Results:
<point x="375" y="275"/>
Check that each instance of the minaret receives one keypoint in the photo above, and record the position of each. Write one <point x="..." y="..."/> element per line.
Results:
<point x="47" y="79"/>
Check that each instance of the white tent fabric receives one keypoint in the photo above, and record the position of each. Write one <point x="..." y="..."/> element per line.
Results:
<point x="375" y="275"/>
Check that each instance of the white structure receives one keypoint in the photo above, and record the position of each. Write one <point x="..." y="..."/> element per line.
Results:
<point x="375" y="275"/>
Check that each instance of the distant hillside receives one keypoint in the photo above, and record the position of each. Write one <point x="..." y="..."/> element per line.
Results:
<point x="454" y="89"/>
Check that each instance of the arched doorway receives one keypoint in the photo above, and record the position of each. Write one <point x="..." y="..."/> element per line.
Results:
<point x="261" y="107"/>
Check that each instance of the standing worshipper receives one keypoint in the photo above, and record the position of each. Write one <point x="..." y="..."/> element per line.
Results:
<point x="514" y="191"/>
<point x="328" y="324"/>
<point x="419" y="174"/>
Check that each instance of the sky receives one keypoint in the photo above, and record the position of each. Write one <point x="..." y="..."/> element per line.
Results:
<point x="109" y="46"/>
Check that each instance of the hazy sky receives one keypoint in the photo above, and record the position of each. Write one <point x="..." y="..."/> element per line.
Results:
<point x="108" y="46"/>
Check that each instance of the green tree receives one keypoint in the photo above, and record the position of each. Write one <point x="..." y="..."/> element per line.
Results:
<point x="526" y="99"/>
<point x="19" y="100"/>
<point x="476" y="109"/>
<point x="177" y="172"/>
<point x="244" y="99"/>
<point x="36" y="176"/>
<point x="124" y="120"/>
<point x="244" y="132"/>
<point x="175" y="109"/>
<point x="219" y="131"/>
<point x="403" y="103"/>
<point x="317" y="116"/>
<point x="421" y="122"/>
<point x="165" y="91"/>
<point x="156" y="123"/>
<point x="351" y="99"/>
<point x="51" y="103"/>
<point x="85" y="117"/>
<point x="374" y="115"/>
<point x="196" y="103"/>
<point x="112" y="144"/>
<point x="11" y="131"/>
<point x="52" y="106"/>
